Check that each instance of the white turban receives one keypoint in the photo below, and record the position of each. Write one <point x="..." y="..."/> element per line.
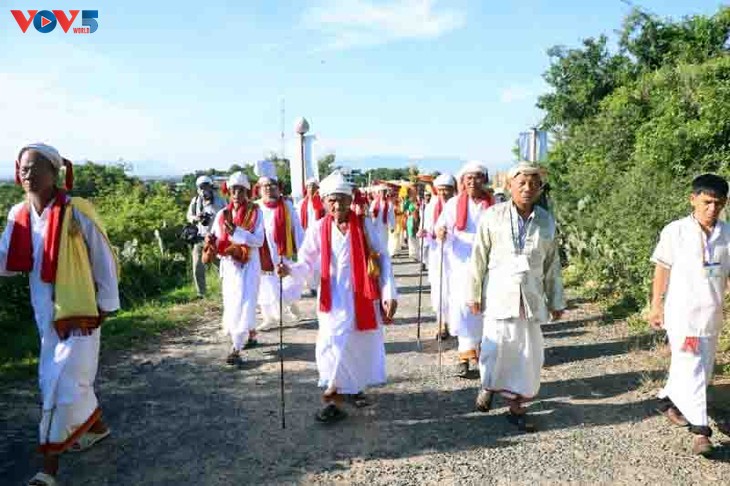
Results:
<point x="524" y="168"/>
<point x="445" y="179"/>
<point x="238" y="179"/>
<point x="335" y="183"/>
<point x="471" y="167"/>
<point x="203" y="180"/>
<point x="265" y="169"/>
<point x="47" y="151"/>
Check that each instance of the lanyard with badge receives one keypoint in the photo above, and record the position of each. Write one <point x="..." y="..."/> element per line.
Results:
<point x="711" y="269"/>
<point x="520" y="264"/>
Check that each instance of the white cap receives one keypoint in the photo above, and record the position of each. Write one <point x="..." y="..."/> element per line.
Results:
<point x="526" y="169"/>
<point x="203" y="180"/>
<point x="473" y="166"/>
<point x="238" y="179"/>
<point x="265" y="169"/>
<point x="335" y="183"/>
<point x="311" y="180"/>
<point x="46" y="150"/>
<point x="444" y="179"/>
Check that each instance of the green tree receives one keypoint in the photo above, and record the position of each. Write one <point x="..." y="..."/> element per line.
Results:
<point x="634" y="127"/>
<point x="325" y="165"/>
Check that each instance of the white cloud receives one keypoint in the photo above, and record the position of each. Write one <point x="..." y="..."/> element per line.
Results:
<point x="362" y="23"/>
<point x="85" y="126"/>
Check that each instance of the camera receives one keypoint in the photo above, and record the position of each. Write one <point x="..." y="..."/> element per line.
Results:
<point x="190" y="235"/>
<point x="205" y="219"/>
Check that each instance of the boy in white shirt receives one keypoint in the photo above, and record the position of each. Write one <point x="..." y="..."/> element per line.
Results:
<point x="692" y="266"/>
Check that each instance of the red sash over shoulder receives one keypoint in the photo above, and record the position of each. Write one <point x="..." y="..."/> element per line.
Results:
<point x="364" y="286"/>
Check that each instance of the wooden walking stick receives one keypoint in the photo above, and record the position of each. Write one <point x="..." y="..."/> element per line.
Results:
<point x="281" y="344"/>
<point x="441" y="300"/>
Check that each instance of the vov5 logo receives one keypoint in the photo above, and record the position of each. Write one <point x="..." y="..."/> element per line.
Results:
<point x="46" y="21"/>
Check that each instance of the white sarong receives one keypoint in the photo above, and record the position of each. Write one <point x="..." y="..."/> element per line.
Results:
<point x="512" y="357"/>
<point x="689" y="376"/>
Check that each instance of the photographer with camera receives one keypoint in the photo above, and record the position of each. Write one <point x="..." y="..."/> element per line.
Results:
<point x="201" y="212"/>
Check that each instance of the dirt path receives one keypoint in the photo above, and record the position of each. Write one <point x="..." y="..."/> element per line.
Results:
<point x="180" y="416"/>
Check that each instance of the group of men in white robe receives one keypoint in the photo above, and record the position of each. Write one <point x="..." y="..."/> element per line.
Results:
<point x="498" y="264"/>
<point x="269" y="237"/>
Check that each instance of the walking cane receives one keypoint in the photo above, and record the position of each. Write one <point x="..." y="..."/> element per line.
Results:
<point x="441" y="300"/>
<point x="420" y="283"/>
<point x="281" y="345"/>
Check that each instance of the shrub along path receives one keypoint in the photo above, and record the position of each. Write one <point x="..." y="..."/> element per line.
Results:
<point x="181" y="416"/>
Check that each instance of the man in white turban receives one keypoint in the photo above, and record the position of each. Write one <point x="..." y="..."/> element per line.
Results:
<point x="438" y="277"/>
<point x="382" y="211"/>
<point x="311" y="208"/>
<point x="357" y="295"/>
<point x="283" y="236"/>
<point x="60" y="243"/>
<point x="236" y="237"/>
<point x="515" y="280"/>
<point x="457" y="227"/>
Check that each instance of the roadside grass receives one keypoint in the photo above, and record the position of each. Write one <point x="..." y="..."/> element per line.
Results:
<point x="127" y="329"/>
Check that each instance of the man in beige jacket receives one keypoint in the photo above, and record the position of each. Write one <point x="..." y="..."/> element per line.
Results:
<point x="515" y="260"/>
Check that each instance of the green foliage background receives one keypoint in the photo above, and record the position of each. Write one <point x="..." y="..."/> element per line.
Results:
<point x="142" y="221"/>
<point x="632" y="129"/>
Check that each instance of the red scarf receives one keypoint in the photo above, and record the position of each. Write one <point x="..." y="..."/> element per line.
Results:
<point x="20" y="254"/>
<point x="318" y="209"/>
<point x="364" y="287"/>
<point x="386" y="207"/>
<point x="244" y="217"/>
<point x="281" y="232"/>
<point x="462" y="208"/>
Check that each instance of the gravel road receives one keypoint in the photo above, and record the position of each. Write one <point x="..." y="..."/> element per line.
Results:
<point x="181" y="416"/>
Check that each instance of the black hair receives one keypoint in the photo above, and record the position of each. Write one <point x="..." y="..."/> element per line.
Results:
<point x="710" y="184"/>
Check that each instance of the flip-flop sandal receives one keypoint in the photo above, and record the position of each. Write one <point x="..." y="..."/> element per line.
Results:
<point x="520" y="420"/>
<point x="42" y="479"/>
<point x="88" y="440"/>
<point x="330" y="414"/>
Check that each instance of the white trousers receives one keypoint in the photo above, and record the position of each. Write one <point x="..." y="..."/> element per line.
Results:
<point x="689" y="376"/>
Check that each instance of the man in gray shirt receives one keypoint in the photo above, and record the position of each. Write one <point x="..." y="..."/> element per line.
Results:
<point x="201" y="212"/>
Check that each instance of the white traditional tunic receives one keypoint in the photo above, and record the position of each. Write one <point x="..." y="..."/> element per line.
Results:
<point x="348" y="360"/>
<point x="292" y="287"/>
<point x="313" y="280"/>
<point x="517" y="262"/>
<point x="437" y="278"/>
<point x="240" y="282"/>
<point x="66" y="369"/>
<point x="463" y="324"/>
<point x="699" y="268"/>
<point x="383" y="228"/>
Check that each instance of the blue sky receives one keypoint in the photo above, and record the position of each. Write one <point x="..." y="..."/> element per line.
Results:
<point x="175" y="86"/>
